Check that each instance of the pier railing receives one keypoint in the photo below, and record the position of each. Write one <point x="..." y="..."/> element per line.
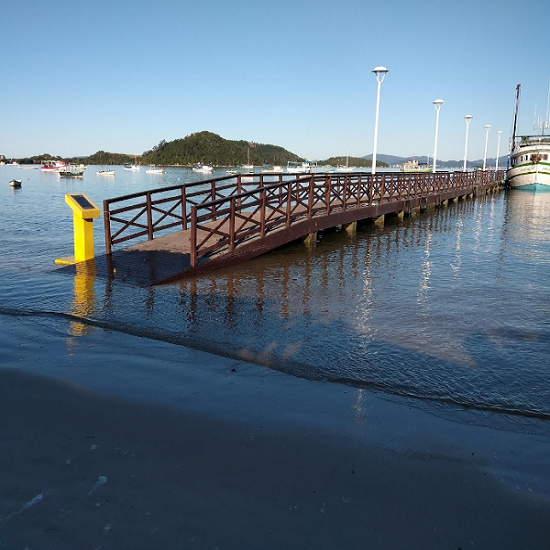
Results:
<point x="157" y="211"/>
<point x="226" y="212"/>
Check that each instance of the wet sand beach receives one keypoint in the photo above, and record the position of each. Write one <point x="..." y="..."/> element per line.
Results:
<point x="243" y="457"/>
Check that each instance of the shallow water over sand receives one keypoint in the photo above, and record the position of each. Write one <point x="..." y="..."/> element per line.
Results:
<point x="451" y="306"/>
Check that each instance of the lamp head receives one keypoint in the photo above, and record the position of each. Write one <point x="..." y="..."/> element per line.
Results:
<point x="468" y="118"/>
<point x="380" y="73"/>
<point x="487" y="127"/>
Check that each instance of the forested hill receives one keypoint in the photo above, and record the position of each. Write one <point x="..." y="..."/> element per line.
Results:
<point x="210" y="148"/>
<point x="356" y="162"/>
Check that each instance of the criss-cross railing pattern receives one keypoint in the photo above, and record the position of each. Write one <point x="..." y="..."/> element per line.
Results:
<point x="155" y="212"/>
<point x="277" y="206"/>
<point x="223" y="213"/>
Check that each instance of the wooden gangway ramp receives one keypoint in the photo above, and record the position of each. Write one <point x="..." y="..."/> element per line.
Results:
<point x="164" y="234"/>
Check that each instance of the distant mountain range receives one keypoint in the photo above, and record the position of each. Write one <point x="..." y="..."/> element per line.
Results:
<point x="393" y="160"/>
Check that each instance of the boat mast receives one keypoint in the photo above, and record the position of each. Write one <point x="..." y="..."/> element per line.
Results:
<point x="513" y="140"/>
<point x="546" y="123"/>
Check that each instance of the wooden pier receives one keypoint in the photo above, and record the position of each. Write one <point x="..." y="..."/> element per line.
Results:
<point x="160" y="235"/>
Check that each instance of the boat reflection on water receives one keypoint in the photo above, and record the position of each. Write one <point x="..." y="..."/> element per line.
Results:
<point x="527" y="214"/>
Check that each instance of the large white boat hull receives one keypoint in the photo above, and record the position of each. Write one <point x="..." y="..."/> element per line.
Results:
<point x="529" y="176"/>
<point x="530" y="163"/>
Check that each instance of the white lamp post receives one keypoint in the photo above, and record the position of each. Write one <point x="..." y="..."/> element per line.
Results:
<point x="499" y="133"/>
<point x="437" y="105"/>
<point x="487" y="128"/>
<point x="380" y="73"/>
<point x="468" y="119"/>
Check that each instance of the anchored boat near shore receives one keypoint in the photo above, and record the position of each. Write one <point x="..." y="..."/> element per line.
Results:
<point x="529" y="158"/>
<point x="203" y="168"/>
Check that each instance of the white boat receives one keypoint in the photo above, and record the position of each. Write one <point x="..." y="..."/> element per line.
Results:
<point x="72" y="171"/>
<point x="135" y="167"/>
<point x="298" y="167"/>
<point x="15" y="184"/>
<point x="200" y="167"/>
<point x="347" y="167"/>
<point x="414" y="166"/>
<point x="105" y="172"/>
<point x="272" y="170"/>
<point x="53" y="165"/>
<point x="530" y="163"/>
<point x="155" y="170"/>
<point x="529" y="166"/>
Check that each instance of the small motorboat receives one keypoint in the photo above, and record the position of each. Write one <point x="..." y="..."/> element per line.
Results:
<point x="15" y="184"/>
<point x="155" y="170"/>
<point x="200" y="167"/>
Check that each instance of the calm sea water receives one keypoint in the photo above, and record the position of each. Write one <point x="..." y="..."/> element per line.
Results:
<point x="452" y="306"/>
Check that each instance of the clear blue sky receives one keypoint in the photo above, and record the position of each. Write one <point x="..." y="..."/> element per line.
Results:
<point x="79" y="76"/>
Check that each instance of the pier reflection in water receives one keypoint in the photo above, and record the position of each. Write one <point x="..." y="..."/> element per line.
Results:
<point x="430" y="307"/>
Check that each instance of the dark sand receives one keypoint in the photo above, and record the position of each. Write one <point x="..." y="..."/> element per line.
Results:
<point x="81" y="469"/>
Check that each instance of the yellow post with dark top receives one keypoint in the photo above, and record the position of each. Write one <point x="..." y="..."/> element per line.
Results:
<point x="84" y="211"/>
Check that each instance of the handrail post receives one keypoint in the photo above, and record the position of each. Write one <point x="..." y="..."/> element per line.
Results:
<point x="310" y="199"/>
<point x="107" y="227"/>
<point x="262" y="213"/>
<point x="193" y="236"/>
<point x="183" y="208"/>
<point x="372" y="178"/>
<point x="345" y="193"/>
<point x="149" y="217"/>
<point x="232" y="225"/>
<point x="288" y="203"/>
<point x="213" y="196"/>
<point x="328" y="189"/>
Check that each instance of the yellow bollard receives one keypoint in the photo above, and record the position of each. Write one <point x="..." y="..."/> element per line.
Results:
<point x="84" y="211"/>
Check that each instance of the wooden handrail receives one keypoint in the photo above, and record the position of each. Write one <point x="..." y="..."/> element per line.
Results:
<point x="195" y="203"/>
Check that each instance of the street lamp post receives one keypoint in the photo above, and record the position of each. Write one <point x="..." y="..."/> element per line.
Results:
<point x="499" y="133"/>
<point x="487" y="128"/>
<point x="437" y="105"/>
<point x="468" y="119"/>
<point x="380" y="73"/>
